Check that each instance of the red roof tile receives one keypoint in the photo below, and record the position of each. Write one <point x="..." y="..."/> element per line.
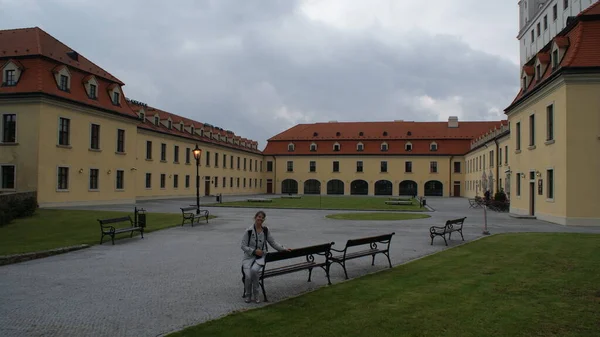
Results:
<point x="592" y="10"/>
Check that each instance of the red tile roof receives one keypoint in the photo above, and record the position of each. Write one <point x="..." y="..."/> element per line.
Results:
<point x="451" y="141"/>
<point x="582" y="42"/>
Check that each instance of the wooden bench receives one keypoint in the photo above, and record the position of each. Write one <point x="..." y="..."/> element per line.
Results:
<point x="307" y="252"/>
<point x="192" y="216"/>
<point x="455" y="225"/>
<point x="107" y="229"/>
<point x="372" y="251"/>
<point x="259" y="200"/>
<point x="400" y="199"/>
<point x="398" y="202"/>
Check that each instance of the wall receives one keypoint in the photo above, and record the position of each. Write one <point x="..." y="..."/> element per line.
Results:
<point x="583" y="152"/>
<point x="23" y="154"/>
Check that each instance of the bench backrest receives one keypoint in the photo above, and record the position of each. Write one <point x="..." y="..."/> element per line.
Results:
<point x="185" y="209"/>
<point x="115" y="220"/>
<point x="386" y="238"/>
<point x="304" y="251"/>
<point x="455" y="222"/>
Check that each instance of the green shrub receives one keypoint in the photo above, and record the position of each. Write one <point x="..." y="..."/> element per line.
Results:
<point x="17" y="208"/>
<point x="500" y="196"/>
<point x="5" y="216"/>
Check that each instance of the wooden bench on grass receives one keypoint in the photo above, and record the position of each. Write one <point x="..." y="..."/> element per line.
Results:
<point x="372" y="251"/>
<point x="455" y="225"/>
<point x="107" y="227"/>
<point x="187" y="214"/>
<point x="259" y="200"/>
<point x="398" y="202"/>
<point x="307" y="252"/>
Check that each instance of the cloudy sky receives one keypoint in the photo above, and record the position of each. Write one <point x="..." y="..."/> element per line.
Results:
<point x="258" y="67"/>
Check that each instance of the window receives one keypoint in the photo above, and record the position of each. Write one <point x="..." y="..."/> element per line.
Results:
<point x="156" y="120"/>
<point x="224" y="182"/>
<point x="224" y="162"/>
<point x="187" y="181"/>
<point x="255" y="163"/>
<point x="384" y="147"/>
<point x="538" y="71"/>
<point x="230" y="181"/>
<point x="64" y="131"/>
<point x="120" y="140"/>
<point x="336" y="147"/>
<point x="244" y="182"/>
<point x="313" y="166"/>
<point x="63" y="178"/>
<point x="500" y="156"/>
<point x="336" y="166"/>
<point x="532" y="36"/>
<point x="518" y="181"/>
<point x="506" y="154"/>
<point x="238" y="163"/>
<point x="313" y="147"/>
<point x="290" y="147"/>
<point x="93" y="92"/>
<point x="7" y="177"/>
<point x="148" y="150"/>
<point x="433" y="167"/>
<point x="148" y="180"/>
<point x="64" y="83"/>
<point x="383" y="166"/>
<point x="238" y="182"/>
<point x="554" y="12"/>
<point x="176" y="154"/>
<point x="250" y="165"/>
<point x="433" y="147"/>
<point x="10" y="77"/>
<point x="565" y="4"/>
<point x="290" y="166"/>
<point x="176" y="181"/>
<point x="359" y="166"/>
<point x="408" y="167"/>
<point x="244" y="164"/>
<point x="545" y="22"/>
<point x="408" y="147"/>
<point x="95" y="137"/>
<point x="116" y="98"/>
<point x="492" y="158"/>
<point x="518" y="138"/>
<point x="163" y="152"/>
<point x="269" y="166"/>
<point x="539" y="29"/>
<point x="550" y="122"/>
<point x="9" y="128"/>
<point x="550" y="184"/>
<point x="170" y="124"/>
<point x="260" y="183"/>
<point x="216" y="159"/>
<point x="360" y="147"/>
<point x="456" y="167"/>
<point x="532" y="130"/>
<point x="207" y="158"/>
<point x="93" y="179"/>
<point x="231" y="162"/>
<point x="120" y="179"/>
<point x="188" y="156"/>
<point x="554" y="59"/>
<point x="163" y="180"/>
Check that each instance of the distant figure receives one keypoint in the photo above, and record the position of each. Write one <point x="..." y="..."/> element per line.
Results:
<point x="487" y="195"/>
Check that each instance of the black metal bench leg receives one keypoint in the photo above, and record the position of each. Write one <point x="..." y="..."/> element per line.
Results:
<point x="463" y="238"/>
<point x="130" y="236"/>
<point x="344" y="266"/>
<point x="327" y="272"/>
<point x="373" y="262"/>
<point x="444" y="236"/>
<point x="262" y="286"/>
<point x="112" y="236"/>
<point x="142" y="232"/>
<point x="432" y="236"/>
<point x="101" y="238"/>
<point x="450" y="236"/>
<point x="309" y="274"/>
<point x="388" y="257"/>
<point x="207" y="216"/>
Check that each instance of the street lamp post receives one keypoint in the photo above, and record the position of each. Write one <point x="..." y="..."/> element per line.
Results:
<point x="197" y="153"/>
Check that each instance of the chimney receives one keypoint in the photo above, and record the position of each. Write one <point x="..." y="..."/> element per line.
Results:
<point x="452" y="122"/>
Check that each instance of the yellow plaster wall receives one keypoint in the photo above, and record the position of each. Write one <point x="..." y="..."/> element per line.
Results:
<point x="23" y="154"/>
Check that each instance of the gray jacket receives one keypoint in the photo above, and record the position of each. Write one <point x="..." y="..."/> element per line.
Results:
<point x="249" y="248"/>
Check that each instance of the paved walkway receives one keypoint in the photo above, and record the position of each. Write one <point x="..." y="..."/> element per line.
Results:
<point x="182" y="276"/>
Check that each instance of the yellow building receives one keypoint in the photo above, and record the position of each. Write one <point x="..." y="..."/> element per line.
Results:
<point x="68" y="132"/>
<point x="555" y="128"/>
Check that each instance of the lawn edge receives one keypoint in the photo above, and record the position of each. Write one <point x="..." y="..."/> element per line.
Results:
<point x="22" y="257"/>
<point x="429" y="209"/>
<point x="266" y="304"/>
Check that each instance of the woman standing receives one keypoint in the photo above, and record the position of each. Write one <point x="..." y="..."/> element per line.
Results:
<point x="254" y="245"/>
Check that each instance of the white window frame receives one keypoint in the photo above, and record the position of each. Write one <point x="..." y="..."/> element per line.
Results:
<point x="360" y="147"/>
<point x="159" y="181"/>
<point x="551" y="168"/>
<point x="313" y="145"/>
<point x="89" y="179"/>
<point x="387" y="147"/>
<point x="58" y="167"/>
<point x="124" y="141"/>
<point x="58" y="133"/>
<point x="117" y="175"/>
<point x="431" y="146"/>
<point x="291" y="147"/>
<point x="337" y="146"/>
<point x="2" y="127"/>
<point x="90" y="140"/>
<point x="407" y="145"/>
<point x="15" y="182"/>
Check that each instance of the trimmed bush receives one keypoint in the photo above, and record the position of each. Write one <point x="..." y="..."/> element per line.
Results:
<point x="16" y="207"/>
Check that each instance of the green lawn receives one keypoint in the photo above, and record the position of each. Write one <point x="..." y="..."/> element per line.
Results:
<point x="503" y="285"/>
<point x="50" y="228"/>
<point x="377" y="216"/>
<point x="328" y="202"/>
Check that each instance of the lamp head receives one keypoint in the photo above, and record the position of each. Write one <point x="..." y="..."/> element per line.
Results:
<point x="197" y="152"/>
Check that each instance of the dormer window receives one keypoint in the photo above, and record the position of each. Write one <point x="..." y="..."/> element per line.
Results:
<point x="114" y="92"/>
<point x="62" y="77"/>
<point x="11" y="72"/>
<point x="181" y="126"/>
<point x="554" y="59"/>
<point x="116" y="98"/>
<point x="291" y="147"/>
<point x="538" y="71"/>
<point x="408" y="147"/>
<point x="91" y="86"/>
<point x="524" y="83"/>
<point x="433" y="146"/>
<point x="156" y="120"/>
<point x="192" y="130"/>
<point x="142" y="116"/>
<point x="336" y="147"/>
<point x="64" y="83"/>
<point x="201" y="132"/>
<point x="169" y="124"/>
<point x="10" y="79"/>
<point x="385" y="133"/>
<point x="360" y="147"/>
<point x="93" y="91"/>
<point x="313" y="147"/>
<point x="384" y="147"/>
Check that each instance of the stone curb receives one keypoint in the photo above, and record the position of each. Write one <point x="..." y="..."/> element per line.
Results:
<point x="16" y="258"/>
<point x="429" y="209"/>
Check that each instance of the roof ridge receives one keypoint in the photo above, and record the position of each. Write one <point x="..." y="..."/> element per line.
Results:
<point x="37" y="38"/>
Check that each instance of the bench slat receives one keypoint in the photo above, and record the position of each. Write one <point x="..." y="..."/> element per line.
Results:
<point x="358" y="254"/>
<point x="114" y="220"/>
<point x="284" y="255"/>
<point x="291" y="268"/>
<point x="372" y="239"/>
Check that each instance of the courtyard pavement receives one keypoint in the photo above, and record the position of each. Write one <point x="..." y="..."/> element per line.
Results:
<point x="183" y="276"/>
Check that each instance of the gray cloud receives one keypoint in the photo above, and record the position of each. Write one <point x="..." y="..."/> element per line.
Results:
<point x="258" y="68"/>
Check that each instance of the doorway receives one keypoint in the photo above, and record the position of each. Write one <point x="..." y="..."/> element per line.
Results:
<point x="457" y="189"/>
<point x="269" y="186"/>
<point x="532" y="198"/>
<point x="207" y="186"/>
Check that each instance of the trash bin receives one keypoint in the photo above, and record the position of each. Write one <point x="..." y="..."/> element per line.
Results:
<point x="140" y="217"/>
<point x="424" y="201"/>
<point x="220" y="198"/>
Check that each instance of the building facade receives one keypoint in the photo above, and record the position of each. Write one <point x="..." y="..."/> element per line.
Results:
<point x="541" y="20"/>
